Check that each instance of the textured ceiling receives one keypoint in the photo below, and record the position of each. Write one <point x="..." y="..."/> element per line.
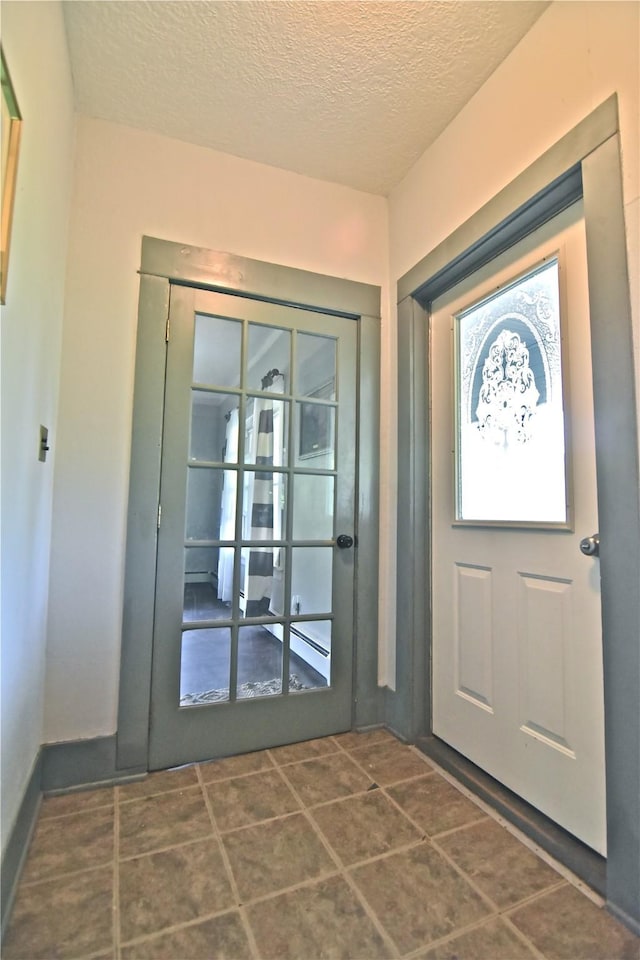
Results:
<point x="351" y="92"/>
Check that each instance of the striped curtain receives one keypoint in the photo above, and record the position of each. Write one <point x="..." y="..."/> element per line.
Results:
<point x="228" y="509"/>
<point x="261" y="559"/>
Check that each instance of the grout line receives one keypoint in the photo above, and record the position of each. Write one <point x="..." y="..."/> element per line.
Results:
<point x="166" y="849"/>
<point x="343" y="873"/>
<point x="463" y="826"/>
<point x="67" y="875"/>
<point x="233" y="776"/>
<point x="76" y="813"/>
<point x="146" y="937"/>
<point x="159" y="793"/>
<point x="508" y="922"/>
<point x="227" y="866"/>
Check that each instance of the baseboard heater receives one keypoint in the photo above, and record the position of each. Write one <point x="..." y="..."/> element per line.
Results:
<point x="312" y="643"/>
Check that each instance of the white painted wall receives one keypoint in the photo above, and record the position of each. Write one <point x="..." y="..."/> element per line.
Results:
<point x="34" y="43"/>
<point x="130" y="183"/>
<point x="574" y="57"/>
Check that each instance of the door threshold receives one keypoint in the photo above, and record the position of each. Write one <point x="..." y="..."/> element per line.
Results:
<point x="588" y="865"/>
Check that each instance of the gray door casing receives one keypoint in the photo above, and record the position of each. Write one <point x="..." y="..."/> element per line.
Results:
<point x="164" y="263"/>
<point x="584" y="163"/>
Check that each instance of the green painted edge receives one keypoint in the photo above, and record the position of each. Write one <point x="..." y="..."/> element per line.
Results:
<point x="142" y="527"/>
<point x="601" y="124"/>
<point x="368" y="696"/>
<point x="406" y="705"/>
<point x="15" y="852"/>
<point x="619" y="515"/>
<point x="82" y="763"/>
<point x="230" y="273"/>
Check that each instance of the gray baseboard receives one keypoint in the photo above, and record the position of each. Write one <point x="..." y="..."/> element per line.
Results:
<point x="572" y="853"/>
<point x="82" y="763"/>
<point x="58" y="768"/>
<point x="18" y="843"/>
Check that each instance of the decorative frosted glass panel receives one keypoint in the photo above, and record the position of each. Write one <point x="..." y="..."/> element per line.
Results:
<point x="214" y="431"/>
<point x="211" y="504"/>
<point x="311" y="580"/>
<point x="315" y="366"/>
<point x="312" y="507"/>
<point x="264" y="505"/>
<point x="216" y="351"/>
<point x="266" y="432"/>
<point x="510" y="444"/>
<point x="268" y="360"/>
<point x="316" y="436"/>
<point x="259" y="661"/>
<point x="204" y="667"/>
<point x="262" y="581"/>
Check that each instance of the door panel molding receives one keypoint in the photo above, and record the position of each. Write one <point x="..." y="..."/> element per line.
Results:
<point x="164" y="263"/>
<point x="588" y="155"/>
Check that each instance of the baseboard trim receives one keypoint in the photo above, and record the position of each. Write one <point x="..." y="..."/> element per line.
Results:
<point x="588" y="865"/>
<point x="630" y="922"/>
<point x="18" y="844"/>
<point x="82" y="763"/>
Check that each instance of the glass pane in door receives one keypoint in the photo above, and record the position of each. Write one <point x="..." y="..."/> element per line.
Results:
<point x="204" y="667"/>
<point x="315" y="366"/>
<point x="316" y="431"/>
<point x="268" y="362"/>
<point x="312" y="507"/>
<point x="310" y="657"/>
<point x="211" y="503"/>
<point x="214" y="427"/>
<point x="259" y="661"/>
<point x="311" y="579"/>
<point x="216" y="351"/>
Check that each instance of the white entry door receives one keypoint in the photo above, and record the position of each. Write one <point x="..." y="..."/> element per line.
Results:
<point x="517" y="645"/>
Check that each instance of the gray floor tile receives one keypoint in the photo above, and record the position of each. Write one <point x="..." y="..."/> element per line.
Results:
<point x="492" y="941"/>
<point x="66" y="917"/>
<point x="498" y="863"/>
<point x="565" y="925"/>
<point x="80" y="801"/>
<point x="305" y="750"/>
<point x="418" y="897"/>
<point x="74" y="842"/>
<point x="221" y="938"/>
<point x="160" y="782"/>
<point x="327" y="778"/>
<point x="324" y="920"/>
<point x="354" y="739"/>
<point x="235" y="766"/>
<point x="163" y="820"/>
<point x="245" y="800"/>
<point x="388" y="762"/>
<point x="364" y="826"/>
<point x="275" y="855"/>
<point x="434" y="804"/>
<point x="172" y="887"/>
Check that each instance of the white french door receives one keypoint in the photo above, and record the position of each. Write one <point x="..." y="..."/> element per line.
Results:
<point x="517" y="645"/>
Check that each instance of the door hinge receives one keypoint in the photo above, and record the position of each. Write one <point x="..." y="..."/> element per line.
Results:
<point x="159" y="515"/>
<point x="166" y="331"/>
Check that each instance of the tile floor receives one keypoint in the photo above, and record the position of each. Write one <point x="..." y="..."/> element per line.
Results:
<point x="351" y="847"/>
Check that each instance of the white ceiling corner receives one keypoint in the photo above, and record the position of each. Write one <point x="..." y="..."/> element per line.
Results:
<point x="350" y="91"/>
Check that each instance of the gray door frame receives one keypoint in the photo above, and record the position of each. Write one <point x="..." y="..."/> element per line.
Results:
<point x="584" y="163"/>
<point x="164" y="263"/>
